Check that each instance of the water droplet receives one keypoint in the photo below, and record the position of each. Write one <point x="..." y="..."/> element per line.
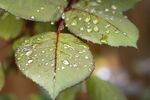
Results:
<point x="74" y="23"/>
<point x="58" y="7"/>
<point x="99" y="1"/>
<point x="81" y="29"/>
<point x="87" y="19"/>
<point x="75" y="65"/>
<point x="95" y="21"/>
<point x="90" y="69"/>
<point x="52" y="23"/>
<point x="93" y="10"/>
<point x="38" y="10"/>
<point x="28" y="53"/>
<point x="107" y="26"/>
<point x="32" y="17"/>
<point x="104" y="39"/>
<point x="116" y="31"/>
<point x="66" y="62"/>
<point x="43" y="51"/>
<point x="30" y="61"/>
<point x="63" y="16"/>
<point x="96" y="29"/>
<point x="62" y="67"/>
<point x="107" y="31"/>
<point x="114" y="7"/>
<point x="124" y="33"/>
<point x="86" y="57"/>
<point x="89" y="30"/>
<point x="106" y="10"/>
<point x="80" y="18"/>
<point x="42" y="8"/>
<point x="76" y="56"/>
<point x="39" y="76"/>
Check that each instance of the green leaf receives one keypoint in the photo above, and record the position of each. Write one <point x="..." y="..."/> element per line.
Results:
<point x="121" y="5"/>
<point x="69" y="94"/>
<point x="41" y="27"/>
<point x="103" y="90"/>
<point x="7" y="97"/>
<point x="10" y="26"/>
<point x="18" y="42"/>
<point x="2" y="77"/>
<point x="102" y="26"/>
<point x="55" y="65"/>
<point x="39" y="10"/>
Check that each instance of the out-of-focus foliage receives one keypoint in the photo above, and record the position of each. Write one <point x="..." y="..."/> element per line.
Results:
<point x="10" y="26"/>
<point x="2" y="77"/>
<point x="102" y="90"/>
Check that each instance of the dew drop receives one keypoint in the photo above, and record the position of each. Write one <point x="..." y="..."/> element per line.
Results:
<point x="124" y="33"/>
<point x="117" y="31"/>
<point x="75" y="65"/>
<point x="76" y="56"/>
<point x="80" y="18"/>
<point x="90" y="69"/>
<point x="106" y="10"/>
<point x="39" y="76"/>
<point x="96" y="29"/>
<point x="63" y="16"/>
<point x="86" y="57"/>
<point x="107" y="31"/>
<point x="99" y="1"/>
<point x="81" y="29"/>
<point x="43" y="51"/>
<point x="95" y="21"/>
<point x="62" y="67"/>
<point x="42" y="8"/>
<point x="30" y="61"/>
<point x="52" y="23"/>
<point x="87" y="19"/>
<point x="38" y="10"/>
<point x="66" y="62"/>
<point x="74" y="23"/>
<point x="114" y="7"/>
<point x="89" y="30"/>
<point x="28" y="53"/>
<point x="107" y="26"/>
<point x="32" y="17"/>
<point x="46" y="63"/>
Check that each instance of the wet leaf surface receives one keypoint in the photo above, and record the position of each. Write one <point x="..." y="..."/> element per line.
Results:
<point x="55" y="67"/>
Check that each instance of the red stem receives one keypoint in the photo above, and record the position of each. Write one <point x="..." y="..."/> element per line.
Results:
<point x="61" y="24"/>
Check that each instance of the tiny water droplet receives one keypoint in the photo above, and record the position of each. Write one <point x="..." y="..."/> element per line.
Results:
<point x="89" y="30"/>
<point x="114" y="7"/>
<point x="62" y="67"/>
<point x="28" y="53"/>
<point x="81" y="29"/>
<point x="30" y="61"/>
<point x="66" y="62"/>
<point x="95" y="21"/>
<point x="87" y="19"/>
<point x="96" y="29"/>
